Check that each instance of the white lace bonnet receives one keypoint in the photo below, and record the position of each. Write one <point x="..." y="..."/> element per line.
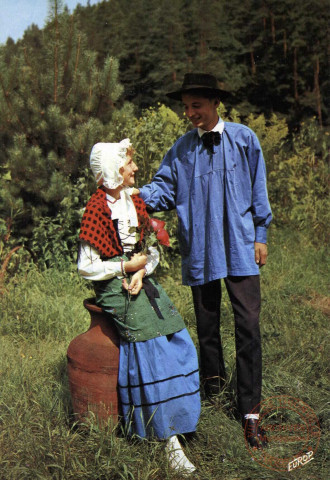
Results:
<point x="106" y="159"/>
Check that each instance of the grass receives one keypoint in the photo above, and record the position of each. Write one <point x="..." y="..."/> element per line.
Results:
<point x="43" y="311"/>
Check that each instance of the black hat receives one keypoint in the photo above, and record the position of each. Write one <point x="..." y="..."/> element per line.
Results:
<point x="198" y="83"/>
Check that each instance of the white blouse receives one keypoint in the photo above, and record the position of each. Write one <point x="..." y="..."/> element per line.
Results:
<point x="90" y="264"/>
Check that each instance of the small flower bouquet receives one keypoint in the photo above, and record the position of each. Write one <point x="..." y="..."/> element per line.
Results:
<point x="152" y="235"/>
<point x="149" y="235"/>
<point x="161" y="234"/>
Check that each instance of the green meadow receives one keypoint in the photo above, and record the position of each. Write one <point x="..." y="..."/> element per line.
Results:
<point x="42" y="311"/>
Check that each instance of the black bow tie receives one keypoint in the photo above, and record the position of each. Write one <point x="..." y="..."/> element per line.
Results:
<point x="211" y="138"/>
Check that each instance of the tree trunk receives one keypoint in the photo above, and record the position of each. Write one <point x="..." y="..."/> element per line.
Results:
<point x="285" y="44"/>
<point x="272" y="23"/>
<point x="56" y="54"/>
<point x="253" y="63"/>
<point x="295" y="74"/>
<point x="317" y="89"/>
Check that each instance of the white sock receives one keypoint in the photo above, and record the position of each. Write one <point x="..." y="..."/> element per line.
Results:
<point x="176" y="456"/>
<point x="252" y="415"/>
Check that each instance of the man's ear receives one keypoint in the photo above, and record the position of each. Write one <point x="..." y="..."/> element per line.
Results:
<point x="216" y="102"/>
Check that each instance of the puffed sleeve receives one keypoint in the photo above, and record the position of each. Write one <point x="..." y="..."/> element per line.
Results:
<point x="160" y="193"/>
<point x="92" y="267"/>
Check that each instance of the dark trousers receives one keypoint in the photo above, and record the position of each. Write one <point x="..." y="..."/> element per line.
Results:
<point x="244" y="294"/>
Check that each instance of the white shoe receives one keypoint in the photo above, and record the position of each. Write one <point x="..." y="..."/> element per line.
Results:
<point x="177" y="458"/>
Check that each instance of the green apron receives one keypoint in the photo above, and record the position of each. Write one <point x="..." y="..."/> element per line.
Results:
<point x="138" y="317"/>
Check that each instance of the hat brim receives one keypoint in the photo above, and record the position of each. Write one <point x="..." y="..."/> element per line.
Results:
<point x="177" y="95"/>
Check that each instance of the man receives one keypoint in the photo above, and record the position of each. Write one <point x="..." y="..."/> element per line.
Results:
<point x="215" y="177"/>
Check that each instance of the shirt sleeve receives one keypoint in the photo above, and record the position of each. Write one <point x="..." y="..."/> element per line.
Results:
<point x="261" y="211"/>
<point x="92" y="267"/>
<point x="160" y="194"/>
<point x="153" y="260"/>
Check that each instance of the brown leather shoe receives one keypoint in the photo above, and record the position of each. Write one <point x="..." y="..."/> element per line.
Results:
<point x="254" y="434"/>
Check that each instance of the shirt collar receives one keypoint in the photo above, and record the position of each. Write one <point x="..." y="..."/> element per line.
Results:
<point x="125" y="202"/>
<point x="219" y="127"/>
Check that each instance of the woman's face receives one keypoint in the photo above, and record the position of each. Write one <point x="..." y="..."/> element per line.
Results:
<point x="128" y="171"/>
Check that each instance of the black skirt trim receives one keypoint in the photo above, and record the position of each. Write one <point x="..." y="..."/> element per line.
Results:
<point x="162" y="401"/>
<point x="158" y="381"/>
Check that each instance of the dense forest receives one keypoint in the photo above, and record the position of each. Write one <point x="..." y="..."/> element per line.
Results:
<point x="272" y="56"/>
<point x="101" y="73"/>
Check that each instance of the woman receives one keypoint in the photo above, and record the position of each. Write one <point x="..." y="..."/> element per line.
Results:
<point x="158" y="377"/>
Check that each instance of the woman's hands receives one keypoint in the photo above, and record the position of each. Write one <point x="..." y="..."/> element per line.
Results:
<point x="135" y="264"/>
<point x="138" y="261"/>
<point x="136" y="282"/>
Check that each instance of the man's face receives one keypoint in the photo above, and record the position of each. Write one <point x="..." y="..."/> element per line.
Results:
<point x="202" y="112"/>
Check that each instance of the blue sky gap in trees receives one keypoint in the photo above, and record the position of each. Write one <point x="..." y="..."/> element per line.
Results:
<point x="17" y="15"/>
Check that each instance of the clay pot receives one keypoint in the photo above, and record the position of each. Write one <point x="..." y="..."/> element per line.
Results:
<point x="93" y="359"/>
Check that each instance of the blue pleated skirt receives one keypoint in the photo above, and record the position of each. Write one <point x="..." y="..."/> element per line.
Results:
<point x="158" y="385"/>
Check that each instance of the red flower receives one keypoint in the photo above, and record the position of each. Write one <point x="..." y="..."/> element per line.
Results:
<point x="151" y="235"/>
<point x="157" y="224"/>
<point x="163" y="238"/>
<point x="162" y="235"/>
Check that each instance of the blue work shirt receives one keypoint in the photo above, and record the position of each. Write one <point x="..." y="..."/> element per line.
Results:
<point x="221" y="201"/>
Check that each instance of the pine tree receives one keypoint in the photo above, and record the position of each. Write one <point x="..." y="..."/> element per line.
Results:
<point x="55" y="103"/>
